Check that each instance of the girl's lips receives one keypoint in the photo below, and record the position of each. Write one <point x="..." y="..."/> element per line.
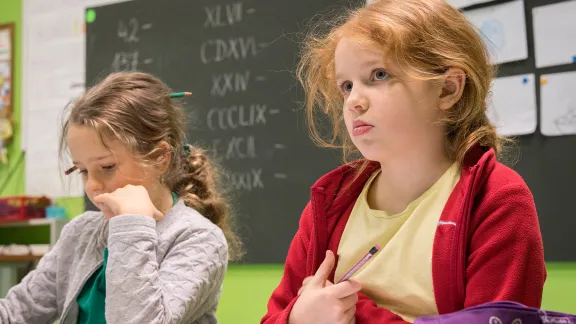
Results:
<point x="361" y="130"/>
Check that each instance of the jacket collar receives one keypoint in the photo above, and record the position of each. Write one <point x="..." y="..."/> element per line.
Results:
<point x="341" y="186"/>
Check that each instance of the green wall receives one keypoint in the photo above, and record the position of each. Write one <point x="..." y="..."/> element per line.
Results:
<point x="247" y="287"/>
<point x="11" y="11"/>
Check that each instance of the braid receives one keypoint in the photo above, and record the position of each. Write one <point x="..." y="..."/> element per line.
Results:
<point x="198" y="185"/>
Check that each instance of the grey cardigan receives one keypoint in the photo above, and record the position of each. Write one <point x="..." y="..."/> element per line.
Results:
<point x="165" y="272"/>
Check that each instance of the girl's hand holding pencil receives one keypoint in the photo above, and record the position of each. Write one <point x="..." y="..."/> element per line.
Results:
<point x="307" y="280"/>
<point x="348" y="274"/>
<point x="321" y="303"/>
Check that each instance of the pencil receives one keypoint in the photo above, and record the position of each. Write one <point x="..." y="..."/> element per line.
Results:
<point x="360" y="263"/>
<point x="180" y="94"/>
<point x="72" y="169"/>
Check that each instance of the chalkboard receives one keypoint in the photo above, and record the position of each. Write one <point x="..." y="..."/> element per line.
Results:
<point x="238" y="59"/>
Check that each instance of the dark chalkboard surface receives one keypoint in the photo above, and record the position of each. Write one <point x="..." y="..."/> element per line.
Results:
<point x="238" y="58"/>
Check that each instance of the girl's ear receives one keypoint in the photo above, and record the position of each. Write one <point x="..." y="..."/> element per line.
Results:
<point x="164" y="156"/>
<point x="452" y="88"/>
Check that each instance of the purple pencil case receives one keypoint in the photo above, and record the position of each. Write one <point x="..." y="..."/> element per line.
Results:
<point x="499" y="313"/>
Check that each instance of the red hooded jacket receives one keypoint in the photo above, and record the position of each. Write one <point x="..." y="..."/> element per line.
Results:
<point x="488" y="248"/>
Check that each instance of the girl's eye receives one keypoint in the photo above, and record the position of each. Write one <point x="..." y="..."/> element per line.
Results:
<point x="380" y="74"/>
<point x="346" y="86"/>
<point x="109" y="167"/>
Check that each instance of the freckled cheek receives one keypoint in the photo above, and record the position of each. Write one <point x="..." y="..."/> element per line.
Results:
<point x="392" y="110"/>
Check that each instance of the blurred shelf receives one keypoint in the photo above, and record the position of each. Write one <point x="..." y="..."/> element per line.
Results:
<point x="35" y="222"/>
<point x="19" y="258"/>
<point x="55" y="224"/>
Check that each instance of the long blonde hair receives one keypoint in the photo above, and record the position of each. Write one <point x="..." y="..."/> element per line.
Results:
<point x="425" y="37"/>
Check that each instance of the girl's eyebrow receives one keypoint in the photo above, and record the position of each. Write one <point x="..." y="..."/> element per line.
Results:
<point x="368" y="63"/>
<point x="372" y="62"/>
<point x="94" y="159"/>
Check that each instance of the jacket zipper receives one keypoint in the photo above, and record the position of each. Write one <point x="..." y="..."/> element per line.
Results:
<point x="77" y="292"/>
<point x="319" y="227"/>
<point x="460" y="268"/>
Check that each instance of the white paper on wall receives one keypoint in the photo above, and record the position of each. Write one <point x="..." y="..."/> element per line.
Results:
<point x="558" y="104"/>
<point x="512" y="106"/>
<point x="555" y="34"/>
<point x="465" y="3"/>
<point x="503" y="27"/>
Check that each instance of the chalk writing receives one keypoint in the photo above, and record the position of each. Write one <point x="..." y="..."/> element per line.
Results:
<point x="229" y="82"/>
<point x="236" y="48"/>
<point x="230" y="121"/>
<point x="125" y="61"/>
<point x="223" y="15"/>
<point x="128" y="31"/>
<point x="235" y="148"/>
<point x="236" y="116"/>
<point x="246" y="180"/>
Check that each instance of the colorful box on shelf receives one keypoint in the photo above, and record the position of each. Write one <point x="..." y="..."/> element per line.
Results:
<point x="56" y="212"/>
<point x="22" y="208"/>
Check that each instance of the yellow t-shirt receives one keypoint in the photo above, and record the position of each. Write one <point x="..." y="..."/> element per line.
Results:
<point x="399" y="276"/>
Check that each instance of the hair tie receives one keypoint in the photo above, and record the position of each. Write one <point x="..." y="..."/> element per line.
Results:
<point x="186" y="148"/>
